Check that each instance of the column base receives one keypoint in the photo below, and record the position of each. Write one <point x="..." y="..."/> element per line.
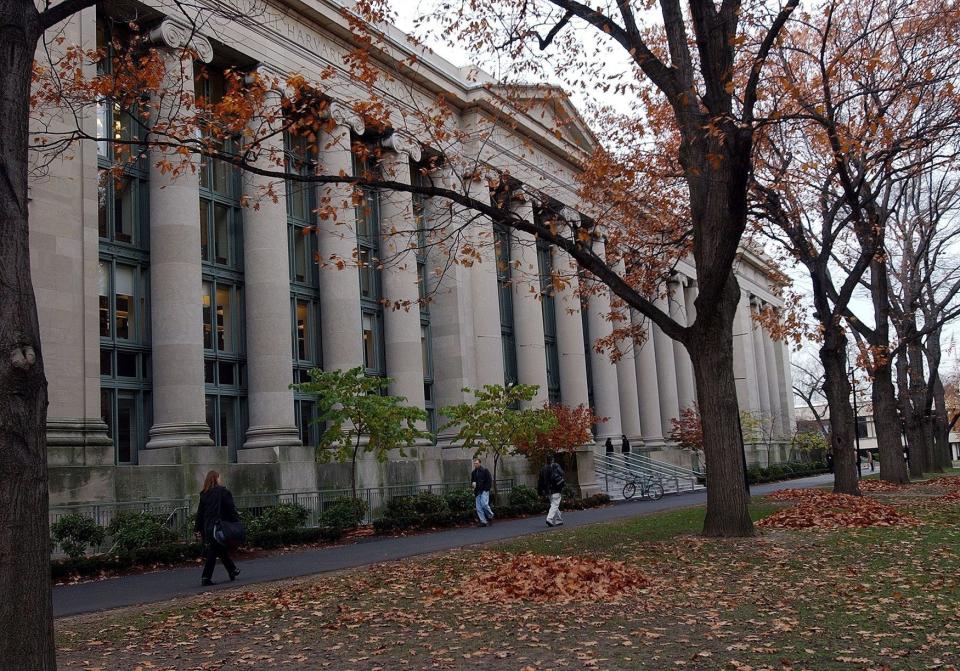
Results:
<point x="272" y="436"/>
<point x="78" y="442"/>
<point x="182" y="443"/>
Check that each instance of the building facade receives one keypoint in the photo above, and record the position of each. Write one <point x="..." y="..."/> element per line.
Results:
<point x="175" y="317"/>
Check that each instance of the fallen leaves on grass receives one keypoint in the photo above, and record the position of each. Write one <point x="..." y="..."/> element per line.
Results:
<point x="542" y="579"/>
<point x="879" y="486"/>
<point x="832" y="511"/>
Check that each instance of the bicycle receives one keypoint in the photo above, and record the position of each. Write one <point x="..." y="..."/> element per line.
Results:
<point x="649" y="488"/>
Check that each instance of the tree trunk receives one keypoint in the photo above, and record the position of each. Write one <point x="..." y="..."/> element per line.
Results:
<point x="887" y="422"/>
<point x="353" y="467"/>
<point x="26" y="609"/>
<point x="836" y="387"/>
<point x="711" y="352"/>
<point x="920" y="431"/>
<point x="941" y="430"/>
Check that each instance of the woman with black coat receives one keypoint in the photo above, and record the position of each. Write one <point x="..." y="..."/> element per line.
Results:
<point x="216" y="504"/>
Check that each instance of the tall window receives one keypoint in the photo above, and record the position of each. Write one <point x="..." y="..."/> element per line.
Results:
<point x="587" y="346"/>
<point x="124" y="251"/>
<point x="304" y="281"/>
<point x="426" y="340"/>
<point x="221" y="252"/>
<point x="368" y="251"/>
<point x="501" y="238"/>
<point x="548" y="306"/>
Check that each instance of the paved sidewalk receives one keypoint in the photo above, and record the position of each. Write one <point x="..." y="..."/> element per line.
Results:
<point x="144" y="588"/>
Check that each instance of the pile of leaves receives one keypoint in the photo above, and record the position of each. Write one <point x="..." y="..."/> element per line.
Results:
<point x="797" y="495"/>
<point x="824" y="510"/>
<point x="543" y="579"/>
<point x="944" y="481"/>
<point x="879" y="486"/>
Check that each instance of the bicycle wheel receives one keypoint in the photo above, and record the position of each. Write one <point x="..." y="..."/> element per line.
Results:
<point x="655" y="491"/>
<point x="629" y="490"/>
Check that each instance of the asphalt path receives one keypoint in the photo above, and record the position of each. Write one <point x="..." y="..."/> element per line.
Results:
<point x="144" y="588"/>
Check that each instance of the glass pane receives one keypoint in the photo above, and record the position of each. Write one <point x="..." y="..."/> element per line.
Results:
<point x="104" y="281"/>
<point x="102" y="145"/>
<point x="369" y="350"/>
<point x="103" y="178"/>
<point x="227" y="373"/>
<point x="126" y="427"/>
<point x="204" y="229"/>
<point x="306" y="417"/>
<point x="126" y="364"/>
<point x="297" y="199"/>
<point x="126" y="315"/>
<point x="106" y="362"/>
<point x="303" y="331"/>
<point x="425" y="349"/>
<point x="225" y="341"/>
<point x="124" y="210"/>
<point x="208" y="372"/>
<point x="367" y="279"/>
<point x="221" y="226"/>
<point x="228" y="423"/>
<point x="299" y="255"/>
<point x="207" y="324"/>
<point x="211" y="402"/>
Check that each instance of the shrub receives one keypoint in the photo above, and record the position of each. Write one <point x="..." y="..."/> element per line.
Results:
<point x="132" y="530"/>
<point x="74" y="533"/>
<point x="460" y="500"/>
<point x="284" y="516"/>
<point x="524" y="497"/>
<point x="427" y="504"/>
<point x="343" y="514"/>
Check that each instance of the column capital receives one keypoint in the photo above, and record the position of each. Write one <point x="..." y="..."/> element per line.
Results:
<point x="401" y="143"/>
<point x="344" y="116"/>
<point x="175" y="34"/>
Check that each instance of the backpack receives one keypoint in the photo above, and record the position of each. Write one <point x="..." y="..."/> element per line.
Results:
<point x="556" y="478"/>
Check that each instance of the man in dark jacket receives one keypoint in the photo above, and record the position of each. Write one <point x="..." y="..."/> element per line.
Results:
<point x="550" y="483"/>
<point x="482" y="483"/>
<point x="216" y="505"/>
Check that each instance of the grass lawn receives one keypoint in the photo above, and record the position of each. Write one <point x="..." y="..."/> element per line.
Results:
<point x="876" y="598"/>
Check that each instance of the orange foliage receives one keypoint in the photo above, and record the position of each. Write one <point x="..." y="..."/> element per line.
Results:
<point x="542" y="579"/>
<point x="818" y="509"/>
<point x="573" y="428"/>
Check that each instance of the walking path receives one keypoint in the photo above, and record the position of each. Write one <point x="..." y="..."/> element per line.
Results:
<point x="143" y="588"/>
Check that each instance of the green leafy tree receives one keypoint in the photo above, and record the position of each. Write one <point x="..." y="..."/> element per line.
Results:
<point x="494" y="425"/>
<point x="355" y="406"/>
<point x="809" y="441"/>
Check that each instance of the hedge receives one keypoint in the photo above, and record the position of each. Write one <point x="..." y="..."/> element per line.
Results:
<point x="785" y="471"/>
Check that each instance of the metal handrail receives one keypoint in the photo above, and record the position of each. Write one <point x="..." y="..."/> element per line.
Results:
<point x="627" y="467"/>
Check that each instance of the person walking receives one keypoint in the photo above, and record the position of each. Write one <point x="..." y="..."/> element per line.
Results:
<point x="482" y="483"/>
<point x="624" y="444"/>
<point x="216" y="506"/>
<point x="550" y="483"/>
<point x="870" y="461"/>
<point x="608" y="446"/>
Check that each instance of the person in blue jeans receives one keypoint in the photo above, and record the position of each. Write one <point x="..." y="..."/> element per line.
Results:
<point x="482" y="484"/>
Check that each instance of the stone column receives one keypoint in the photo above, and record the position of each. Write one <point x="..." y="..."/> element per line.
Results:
<point x="686" y="387"/>
<point x="179" y="433"/>
<point x="482" y="312"/>
<point x="773" y="383"/>
<point x="398" y="249"/>
<point x="337" y="242"/>
<point x="573" y="364"/>
<point x="744" y="360"/>
<point x="666" y="372"/>
<point x="649" y="396"/>
<point x="528" y="309"/>
<point x="627" y="383"/>
<point x="763" y="387"/>
<point x="605" y="384"/>
<point x="267" y="301"/>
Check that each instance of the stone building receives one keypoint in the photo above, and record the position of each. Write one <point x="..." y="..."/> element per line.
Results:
<point x="174" y="319"/>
